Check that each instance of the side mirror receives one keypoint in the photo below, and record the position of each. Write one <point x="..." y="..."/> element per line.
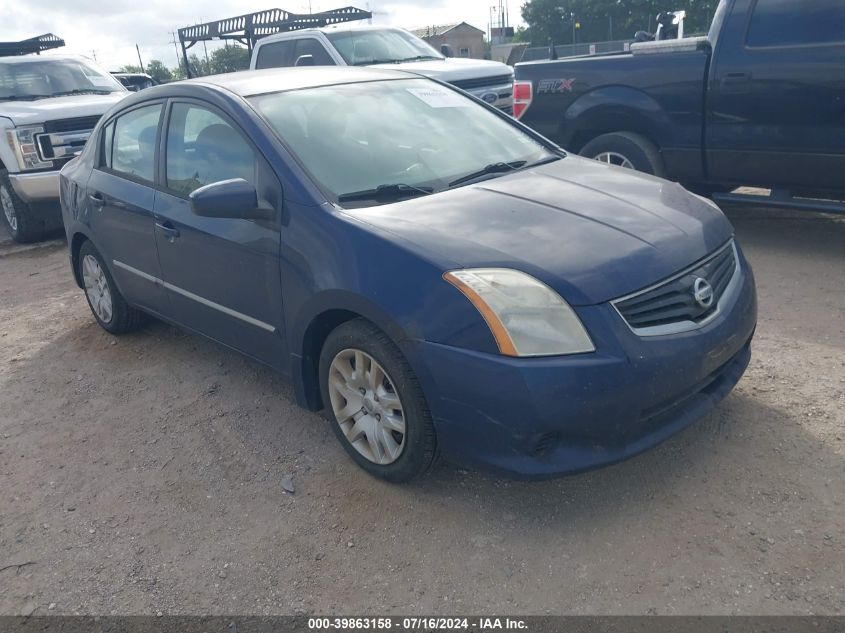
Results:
<point x="304" y="60"/>
<point x="446" y="50"/>
<point x="234" y="199"/>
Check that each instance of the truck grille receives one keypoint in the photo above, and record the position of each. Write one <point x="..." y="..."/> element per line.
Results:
<point x="70" y="125"/>
<point x="686" y="300"/>
<point x="63" y="138"/>
<point x="483" y="82"/>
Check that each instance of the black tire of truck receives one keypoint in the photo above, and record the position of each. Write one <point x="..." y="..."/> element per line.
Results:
<point x="16" y="215"/>
<point x="634" y="148"/>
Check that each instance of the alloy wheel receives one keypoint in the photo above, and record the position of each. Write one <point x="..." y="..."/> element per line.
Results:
<point x="97" y="288"/>
<point x="9" y="208"/>
<point x="367" y="406"/>
<point x="614" y="158"/>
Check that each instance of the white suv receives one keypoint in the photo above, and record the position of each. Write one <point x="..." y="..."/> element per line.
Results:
<point x="389" y="48"/>
<point x="48" y="106"/>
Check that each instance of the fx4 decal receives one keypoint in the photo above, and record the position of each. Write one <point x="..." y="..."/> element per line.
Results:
<point x="555" y="86"/>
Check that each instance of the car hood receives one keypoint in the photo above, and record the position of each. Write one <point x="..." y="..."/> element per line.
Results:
<point x="592" y="232"/>
<point x="453" y="68"/>
<point x="71" y="106"/>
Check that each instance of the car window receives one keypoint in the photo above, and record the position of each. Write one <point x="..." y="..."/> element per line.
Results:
<point x="310" y="46"/>
<point x="796" y="22"/>
<point x="358" y="136"/>
<point x="133" y="151"/>
<point x="202" y="148"/>
<point x="275" y="55"/>
<point x="108" y="137"/>
<point x="374" y="46"/>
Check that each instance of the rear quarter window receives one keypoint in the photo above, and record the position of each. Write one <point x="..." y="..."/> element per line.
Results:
<point x="796" y="23"/>
<point x="275" y="55"/>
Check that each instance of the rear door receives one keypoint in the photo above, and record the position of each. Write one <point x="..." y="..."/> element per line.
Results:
<point x="121" y="196"/>
<point x="776" y="112"/>
<point x="222" y="275"/>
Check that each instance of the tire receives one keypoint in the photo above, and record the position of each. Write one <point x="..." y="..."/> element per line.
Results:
<point x="359" y="341"/>
<point x="16" y="215"/>
<point x="120" y="318"/>
<point x="640" y="153"/>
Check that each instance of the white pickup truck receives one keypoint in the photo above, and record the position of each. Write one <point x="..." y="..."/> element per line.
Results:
<point x="48" y="106"/>
<point x="344" y="45"/>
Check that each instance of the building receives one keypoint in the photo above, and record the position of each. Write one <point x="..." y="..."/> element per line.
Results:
<point x="463" y="39"/>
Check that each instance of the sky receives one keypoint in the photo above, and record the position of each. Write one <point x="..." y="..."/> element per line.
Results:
<point x="109" y="29"/>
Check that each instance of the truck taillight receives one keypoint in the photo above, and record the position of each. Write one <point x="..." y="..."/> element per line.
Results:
<point x="522" y="94"/>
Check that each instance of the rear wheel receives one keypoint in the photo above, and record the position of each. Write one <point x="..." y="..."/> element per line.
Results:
<point x="107" y="304"/>
<point x="16" y="214"/>
<point x="626" y="149"/>
<point x="375" y="403"/>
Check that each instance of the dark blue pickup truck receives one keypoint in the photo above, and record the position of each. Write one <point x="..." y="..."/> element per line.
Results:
<point x="759" y="101"/>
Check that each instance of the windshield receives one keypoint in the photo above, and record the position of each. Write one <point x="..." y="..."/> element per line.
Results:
<point x="46" y="77"/>
<point x="410" y="132"/>
<point x="380" y="46"/>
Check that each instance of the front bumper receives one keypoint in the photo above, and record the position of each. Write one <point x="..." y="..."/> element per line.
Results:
<point x="36" y="187"/>
<point x="541" y="417"/>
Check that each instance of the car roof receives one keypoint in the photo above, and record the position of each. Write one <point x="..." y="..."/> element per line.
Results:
<point x="254" y="82"/>
<point x="23" y="59"/>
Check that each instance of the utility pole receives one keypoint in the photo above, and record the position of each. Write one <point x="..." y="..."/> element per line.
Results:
<point x="175" y="48"/>
<point x="94" y="54"/>
<point x="138" y="50"/>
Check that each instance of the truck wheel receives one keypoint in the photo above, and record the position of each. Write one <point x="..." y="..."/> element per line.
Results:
<point x="375" y="404"/>
<point x="16" y="215"/>
<point x="626" y="149"/>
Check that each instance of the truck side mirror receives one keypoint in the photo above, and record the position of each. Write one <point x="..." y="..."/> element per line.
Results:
<point x="446" y="50"/>
<point x="304" y="60"/>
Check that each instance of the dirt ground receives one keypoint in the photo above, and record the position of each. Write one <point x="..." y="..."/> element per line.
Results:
<point x="143" y="475"/>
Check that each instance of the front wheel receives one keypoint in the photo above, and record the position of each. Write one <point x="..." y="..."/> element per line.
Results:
<point x="16" y="214"/>
<point x="375" y="403"/>
<point x="626" y="149"/>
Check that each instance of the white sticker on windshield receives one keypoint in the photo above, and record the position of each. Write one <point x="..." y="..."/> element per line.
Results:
<point x="437" y="97"/>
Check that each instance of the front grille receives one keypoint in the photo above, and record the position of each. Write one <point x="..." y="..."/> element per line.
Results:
<point x="72" y="125"/>
<point x="482" y="82"/>
<point x="683" y="299"/>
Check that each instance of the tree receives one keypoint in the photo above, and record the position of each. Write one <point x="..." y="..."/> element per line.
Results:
<point x="158" y="71"/>
<point x="130" y="68"/>
<point x="600" y="20"/>
<point x="229" y="59"/>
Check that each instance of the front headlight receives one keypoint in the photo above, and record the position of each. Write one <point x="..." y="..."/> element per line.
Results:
<point x="22" y="142"/>
<point x="526" y="317"/>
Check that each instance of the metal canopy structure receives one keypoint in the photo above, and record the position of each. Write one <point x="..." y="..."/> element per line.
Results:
<point x="32" y="45"/>
<point x="248" y="29"/>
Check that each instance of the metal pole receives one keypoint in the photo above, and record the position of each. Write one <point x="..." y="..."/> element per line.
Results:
<point x="188" y="73"/>
<point x="138" y="50"/>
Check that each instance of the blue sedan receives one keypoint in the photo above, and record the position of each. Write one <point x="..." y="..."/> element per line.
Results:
<point x="435" y="275"/>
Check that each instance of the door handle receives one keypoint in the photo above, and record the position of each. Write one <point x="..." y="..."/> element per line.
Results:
<point x="97" y="199"/>
<point x="170" y="231"/>
<point x="734" y="79"/>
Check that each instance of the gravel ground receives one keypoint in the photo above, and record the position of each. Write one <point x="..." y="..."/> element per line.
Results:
<point x="143" y="475"/>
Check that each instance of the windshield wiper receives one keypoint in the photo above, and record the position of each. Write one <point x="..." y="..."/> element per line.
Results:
<point x="80" y="91"/>
<point x="499" y="168"/>
<point x="394" y="192"/>
<point x="418" y="58"/>
<point x="492" y="168"/>
<point x="372" y="62"/>
<point x="23" y="97"/>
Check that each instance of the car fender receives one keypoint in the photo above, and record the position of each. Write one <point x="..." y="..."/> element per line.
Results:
<point x="613" y="109"/>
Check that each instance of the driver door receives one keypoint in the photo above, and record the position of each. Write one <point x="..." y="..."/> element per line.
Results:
<point x="222" y="275"/>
